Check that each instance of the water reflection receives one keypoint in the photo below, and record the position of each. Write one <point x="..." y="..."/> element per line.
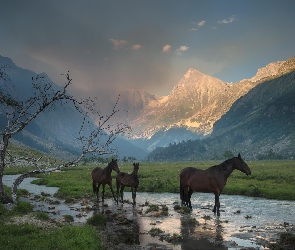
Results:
<point x="244" y="221"/>
<point x="195" y="235"/>
<point x="201" y="244"/>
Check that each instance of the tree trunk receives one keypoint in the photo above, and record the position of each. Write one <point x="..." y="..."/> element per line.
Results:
<point x="19" y="180"/>
<point x="3" y="147"/>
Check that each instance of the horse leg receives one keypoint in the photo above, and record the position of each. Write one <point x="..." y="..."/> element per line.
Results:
<point x="94" y="187"/>
<point x="97" y="192"/>
<point x="189" y="203"/>
<point x="118" y="189"/>
<point x="185" y="196"/>
<point x="133" y="189"/>
<point x="102" y="196"/>
<point x="111" y="186"/>
<point x="217" y="205"/>
<point x="181" y="194"/>
<point x="121" y="192"/>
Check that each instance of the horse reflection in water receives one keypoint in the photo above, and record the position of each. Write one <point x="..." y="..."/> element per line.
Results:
<point x="128" y="180"/>
<point x="102" y="177"/>
<point x="212" y="234"/>
<point x="212" y="179"/>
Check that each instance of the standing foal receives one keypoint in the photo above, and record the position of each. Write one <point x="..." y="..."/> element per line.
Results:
<point x="128" y="180"/>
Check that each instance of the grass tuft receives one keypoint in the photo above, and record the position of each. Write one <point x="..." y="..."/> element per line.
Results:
<point x="97" y="220"/>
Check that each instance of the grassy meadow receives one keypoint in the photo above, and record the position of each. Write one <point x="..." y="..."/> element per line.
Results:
<point x="269" y="179"/>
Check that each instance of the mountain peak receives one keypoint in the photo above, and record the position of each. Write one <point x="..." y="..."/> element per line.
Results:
<point x="192" y="72"/>
<point x="270" y="69"/>
<point x="287" y="66"/>
<point x="6" y="61"/>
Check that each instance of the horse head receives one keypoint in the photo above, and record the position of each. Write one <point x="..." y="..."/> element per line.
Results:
<point x="136" y="167"/>
<point x="241" y="165"/>
<point x="114" y="165"/>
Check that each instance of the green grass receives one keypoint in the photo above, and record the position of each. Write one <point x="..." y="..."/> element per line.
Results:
<point x="97" y="220"/>
<point x="27" y="236"/>
<point x="26" y="152"/>
<point x="20" y="209"/>
<point x="42" y="216"/>
<point x="269" y="179"/>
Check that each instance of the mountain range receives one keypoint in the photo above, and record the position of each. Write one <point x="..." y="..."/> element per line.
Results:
<point x="189" y="111"/>
<point x="53" y="131"/>
<point x="260" y="124"/>
<point x="199" y="110"/>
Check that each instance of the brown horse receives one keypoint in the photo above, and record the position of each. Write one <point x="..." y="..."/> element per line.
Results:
<point x="102" y="177"/>
<point x="210" y="180"/>
<point x="128" y="180"/>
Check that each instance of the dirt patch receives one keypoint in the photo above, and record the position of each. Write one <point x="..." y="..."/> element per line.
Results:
<point x="31" y="219"/>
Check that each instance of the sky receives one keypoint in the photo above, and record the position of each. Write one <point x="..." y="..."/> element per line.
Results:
<point x="147" y="45"/>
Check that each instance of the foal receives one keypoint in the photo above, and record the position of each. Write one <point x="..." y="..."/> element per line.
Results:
<point x="128" y="180"/>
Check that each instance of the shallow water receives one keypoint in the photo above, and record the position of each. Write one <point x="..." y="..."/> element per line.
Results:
<point x="244" y="221"/>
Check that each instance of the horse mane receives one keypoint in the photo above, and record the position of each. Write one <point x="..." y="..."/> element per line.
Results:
<point x="223" y="164"/>
<point x="107" y="169"/>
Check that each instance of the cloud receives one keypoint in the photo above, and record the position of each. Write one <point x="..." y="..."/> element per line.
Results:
<point x="181" y="49"/>
<point x="201" y="23"/>
<point x="136" y="47"/>
<point x="118" y="44"/>
<point x="228" y="20"/>
<point x="167" y="48"/>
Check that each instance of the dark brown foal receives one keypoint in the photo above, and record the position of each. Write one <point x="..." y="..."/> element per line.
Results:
<point x="128" y="180"/>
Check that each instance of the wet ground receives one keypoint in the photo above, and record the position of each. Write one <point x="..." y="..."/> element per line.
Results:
<point x="245" y="222"/>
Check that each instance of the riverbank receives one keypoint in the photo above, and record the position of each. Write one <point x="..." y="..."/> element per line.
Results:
<point x="245" y="222"/>
<point x="269" y="179"/>
<point x="148" y="227"/>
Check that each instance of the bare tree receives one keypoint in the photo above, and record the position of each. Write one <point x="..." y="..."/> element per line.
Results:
<point x="95" y="143"/>
<point x="20" y="114"/>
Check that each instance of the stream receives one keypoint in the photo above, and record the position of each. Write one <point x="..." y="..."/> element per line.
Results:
<point x="245" y="222"/>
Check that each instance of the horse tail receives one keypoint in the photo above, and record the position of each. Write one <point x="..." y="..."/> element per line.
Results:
<point x="181" y="191"/>
<point x="119" y="179"/>
<point x="94" y="186"/>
